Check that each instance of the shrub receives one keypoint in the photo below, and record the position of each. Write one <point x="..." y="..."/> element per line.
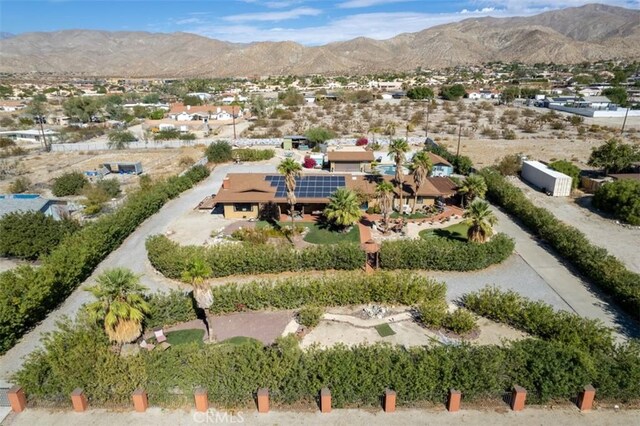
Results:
<point x="95" y="199"/>
<point x="433" y="312"/>
<point x="111" y="187"/>
<point x="309" y="163"/>
<point x="237" y="259"/>
<point x="310" y="316"/>
<point x="444" y="254"/>
<point x="594" y="262"/>
<point x="622" y="198"/>
<point x="187" y="136"/>
<point x="460" y="321"/>
<point x="248" y="154"/>
<point x="186" y="161"/>
<point x="569" y="169"/>
<point x="219" y="152"/>
<point x="20" y="185"/>
<point x="509" y="165"/>
<point x="166" y="309"/>
<point x="27" y="294"/>
<point x="70" y="183"/>
<point x="30" y="235"/>
<point x="251" y="235"/>
<point x="362" y="142"/>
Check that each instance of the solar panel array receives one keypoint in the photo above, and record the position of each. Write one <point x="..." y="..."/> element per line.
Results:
<point x="308" y="186"/>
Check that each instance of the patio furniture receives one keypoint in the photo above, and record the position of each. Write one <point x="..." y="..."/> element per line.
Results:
<point x="147" y="346"/>
<point x="164" y="346"/>
<point x="160" y="337"/>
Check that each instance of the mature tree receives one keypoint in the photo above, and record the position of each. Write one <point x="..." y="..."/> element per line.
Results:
<point x="420" y="169"/>
<point x="219" y="152"/>
<point x="291" y="170"/>
<point x="398" y="149"/>
<point x="291" y="97"/>
<point x="569" y="169"/>
<point x="509" y="165"/>
<point x="472" y="187"/>
<point x="120" y="139"/>
<point x="121" y="306"/>
<point x="258" y="106"/>
<point x="622" y="198"/>
<point x="191" y="100"/>
<point x="70" y="183"/>
<point x="81" y="108"/>
<point x="462" y="164"/>
<point x="480" y="220"/>
<point x="317" y="135"/>
<point x="614" y="156"/>
<point x="617" y="95"/>
<point x="452" y="93"/>
<point x="343" y="209"/>
<point x="384" y="198"/>
<point x="420" y="92"/>
<point x="509" y="94"/>
<point x="151" y="98"/>
<point x="29" y="235"/>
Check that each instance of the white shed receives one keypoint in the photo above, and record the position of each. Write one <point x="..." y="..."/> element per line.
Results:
<point x="548" y="180"/>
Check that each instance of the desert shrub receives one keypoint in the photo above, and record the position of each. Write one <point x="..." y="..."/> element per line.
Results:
<point x="187" y="136"/>
<point x="7" y="142"/>
<point x="110" y="186"/>
<point x="569" y="169"/>
<point x="432" y="312"/>
<point x="622" y="198"/>
<point x="595" y="263"/>
<point x="20" y="185"/>
<point x="310" y="316"/>
<point x="444" y="254"/>
<point x="27" y="294"/>
<point x="509" y="165"/>
<point x="70" y="183"/>
<point x="250" y="235"/>
<point x="219" y="152"/>
<point x="166" y="309"/>
<point x="186" y="161"/>
<point x="460" y="322"/>
<point x="508" y="134"/>
<point x="95" y="199"/>
<point x="249" y="154"/>
<point x="30" y="235"/>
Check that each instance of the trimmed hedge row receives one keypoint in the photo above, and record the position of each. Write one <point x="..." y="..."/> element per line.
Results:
<point x="540" y="319"/>
<point x="603" y="269"/>
<point x="250" y="154"/>
<point x="79" y="356"/>
<point x="341" y="289"/>
<point x="27" y="294"/>
<point x="171" y="259"/>
<point x="444" y="255"/>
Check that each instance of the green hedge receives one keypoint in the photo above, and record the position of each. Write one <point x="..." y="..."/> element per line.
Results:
<point x="601" y="268"/>
<point x="350" y="288"/>
<point x="250" y="154"/>
<point x="540" y="319"/>
<point x="79" y="356"/>
<point x="166" y="309"/>
<point x="444" y="254"/>
<point x="27" y="294"/>
<point x="171" y="259"/>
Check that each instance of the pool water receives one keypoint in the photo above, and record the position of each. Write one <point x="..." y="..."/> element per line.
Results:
<point x="21" y="196"/>
<point x="390" y="169"/>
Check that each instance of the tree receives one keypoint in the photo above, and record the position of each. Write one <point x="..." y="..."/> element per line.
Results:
<point x="509" y="94"/>
<point x="622" y="198"/>
<point x="195" y="274"/>
<point x="343" y="209"/>
<point x="452" y="93"/>
<point x="317" y="135"/>
<point x="462" y="164"/>
<point x="95" y="198"/>
<point x="617" y="95"/>
<point x="569" y="169"/>
<point x="509" y="165"/>
<point x="191" y="100"/>
<point x="291" y="97"/>
<point x="151" y="98"/>
<point x="384" y="198"/>
<point x="290" y="170"/>
<point x="480" y="220"/>
<point x="70" y="183"/>
<point x="81" y="108"/>
<point x="38" y="110"/>
<point x="29" y="235"/>
<point x="398" y="149"/>
<point x="420" y="92"/>
<point x="110" y="186"/>
<point x="420" y="169"/>
<point x="614" y="156"/>
<point x="119" y="139"/>
<point x="219" y="152"/>
<point x="258" y="106"/>
<point x="121" y="306"/>
<point x="472" y="187"/>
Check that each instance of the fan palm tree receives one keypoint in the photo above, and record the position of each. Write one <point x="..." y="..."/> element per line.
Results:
<point x="195" y="274"/>
<point x="291" y="170"/>
<point x="384" y="197"/>
<point x="480" y="220"/>
<point x="420" y="169"/>
<point x="398" y="149"/>
<point x="343" y="208"/>
<point x="120" y="306"/>
<point x="472" y="187"/>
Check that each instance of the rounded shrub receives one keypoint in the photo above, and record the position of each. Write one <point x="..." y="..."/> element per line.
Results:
<point x="310" y="316"/>
<point x="460" y="321"/>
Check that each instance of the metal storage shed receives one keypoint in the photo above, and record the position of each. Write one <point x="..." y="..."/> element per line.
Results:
<point x="548" y="180"/>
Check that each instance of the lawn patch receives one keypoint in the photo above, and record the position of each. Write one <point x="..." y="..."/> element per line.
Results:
<point x="319" y="233"/>
<point x="384" y="330"/>
<point x="181" y="337"/>
<point x="453" y="232"/>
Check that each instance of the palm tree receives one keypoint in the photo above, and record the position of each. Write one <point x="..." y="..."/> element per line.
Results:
<point x="384" y="197"/>
<point x="480" y="220"/>
<point x="291" y="170"/>
<point x="120" y="306"/>
<point x="398" y="149"/>
<point x="195" y="274"/>
<point x="410" y="127"/>
<point x="390" y="128"/>
<point x="472" y="187"/>
<point x="420" y="169"/>
<point x="343" y="208"/>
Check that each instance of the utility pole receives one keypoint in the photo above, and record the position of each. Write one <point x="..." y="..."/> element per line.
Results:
<point x="426" y="128"/>
<point x="624" y="122"/>
<point x="233" y="114"/>
<point x="459" y="133"/>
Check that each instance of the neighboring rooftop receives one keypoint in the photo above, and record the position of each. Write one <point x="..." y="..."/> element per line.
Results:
<point x="22" y="203"/>
<point x="350" y="156"/>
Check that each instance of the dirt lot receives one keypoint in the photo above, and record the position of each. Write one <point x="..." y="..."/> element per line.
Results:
<point x="42" y="168"/>
<point x="621" y="241"/>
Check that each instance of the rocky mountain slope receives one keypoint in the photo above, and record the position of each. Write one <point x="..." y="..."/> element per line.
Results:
<point x="586" y="33"/>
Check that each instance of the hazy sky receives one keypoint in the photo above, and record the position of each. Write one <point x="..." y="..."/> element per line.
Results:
<point x="307" y="22"/>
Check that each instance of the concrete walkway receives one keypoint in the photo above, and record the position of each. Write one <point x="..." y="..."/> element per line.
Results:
<point x="567" y="415"/>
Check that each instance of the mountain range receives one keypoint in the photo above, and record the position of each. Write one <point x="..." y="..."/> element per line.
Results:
<point x="572" y="35"/>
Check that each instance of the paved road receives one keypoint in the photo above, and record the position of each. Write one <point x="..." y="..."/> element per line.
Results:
<point x="131" y="254"/>
<point x="565" y="415"/>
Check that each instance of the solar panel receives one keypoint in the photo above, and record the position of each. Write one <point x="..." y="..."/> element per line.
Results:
<point x="307" y="186"/>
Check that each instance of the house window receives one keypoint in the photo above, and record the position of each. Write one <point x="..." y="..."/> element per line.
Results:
<point x="420" y="200"/>
<point x="242" y="207"/>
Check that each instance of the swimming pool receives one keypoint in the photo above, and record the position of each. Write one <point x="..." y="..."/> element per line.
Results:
<point x="390" y="169"/>
<point x="21" y="196"/>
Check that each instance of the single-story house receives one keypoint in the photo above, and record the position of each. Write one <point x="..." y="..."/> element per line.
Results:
<point x="244" y="195"/>
<point x="349" y="161"/>
<point x="34" y="135"/>
<point x="13" y="203"/>
<point x="295" y="142"/>
<point x="181" y="112"/>
<point x="441" y="167"/>
<point x="11" y="106"/>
